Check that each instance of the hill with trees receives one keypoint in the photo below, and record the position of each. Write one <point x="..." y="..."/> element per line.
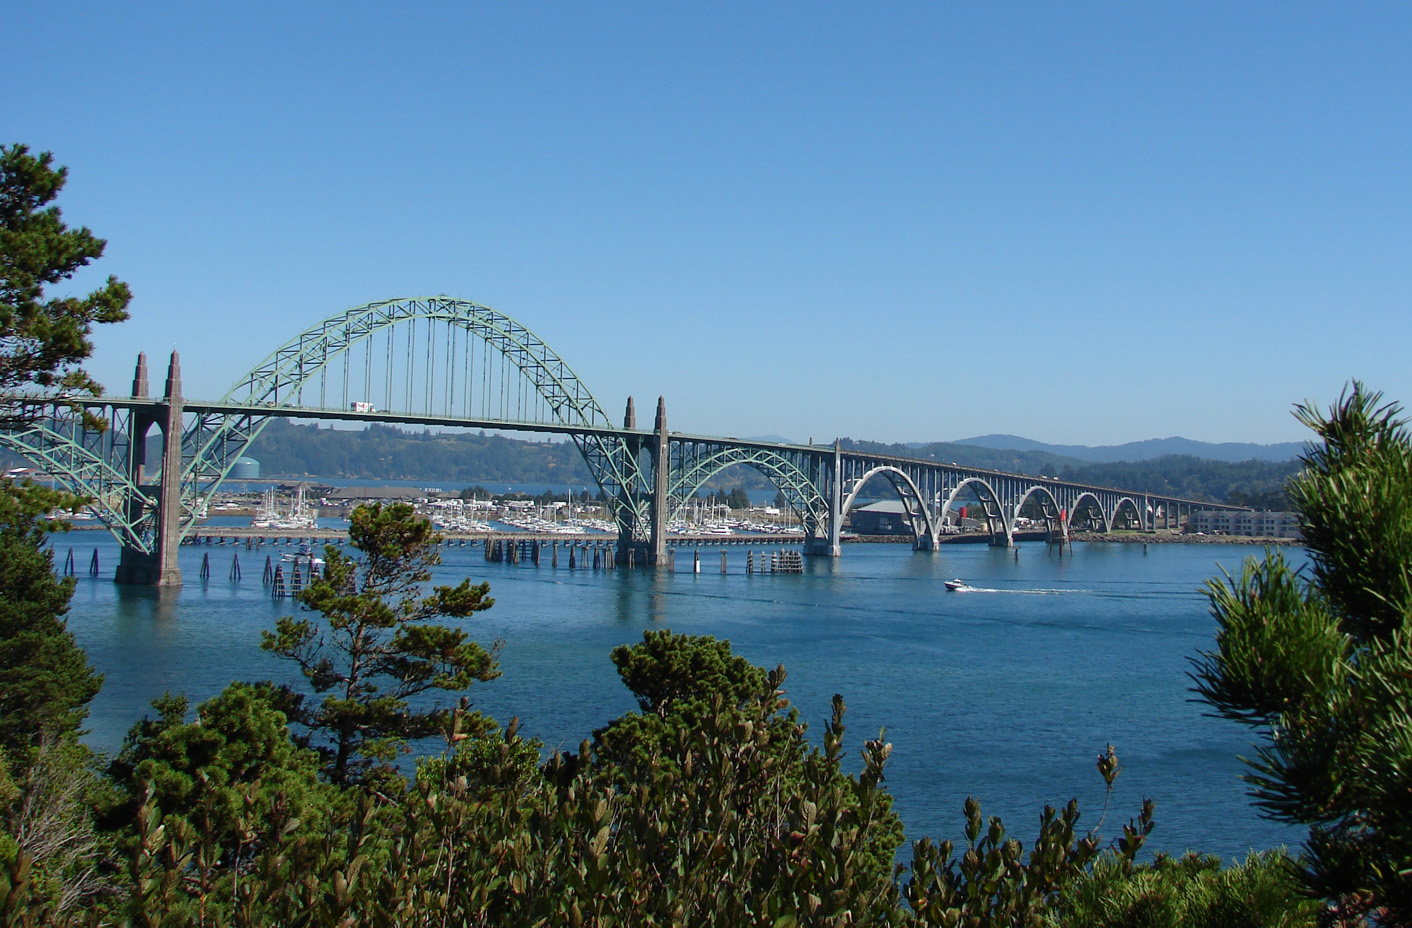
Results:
<point x="383" y="452"/>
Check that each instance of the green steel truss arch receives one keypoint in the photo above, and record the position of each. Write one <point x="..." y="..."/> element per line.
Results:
<point x="89" y="464"/>
<point x="696" y="463"/>
<point x="558" y="395"/>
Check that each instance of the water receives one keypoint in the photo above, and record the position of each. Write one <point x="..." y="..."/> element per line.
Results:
<point x="1007" y="693"/>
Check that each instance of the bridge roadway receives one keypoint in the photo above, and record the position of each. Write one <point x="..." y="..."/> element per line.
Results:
<point x="250" y="537"/>
<point x="928" y="487"/>
<point x="439" y="362"/>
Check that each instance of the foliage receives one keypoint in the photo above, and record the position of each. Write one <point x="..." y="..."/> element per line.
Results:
<point x="377" y="649"/>
<point x="50" y="850"/>
<point x="223" y="773"/>
<point x="740" y="828"/>
<point x="46" y="682"/>
<point x="1321" y="664"/>
<point x="686" y="686"/>
<point x="385" y="452"/>
<point x="991" y="883"/>
<point x="1188" y="892"/>
<point x="730" y="819"/>
<point x="1254" y="483"/>
<point x="482" y="760"/>
<point x="733" y="498"/>
<point x="43" y="339"/>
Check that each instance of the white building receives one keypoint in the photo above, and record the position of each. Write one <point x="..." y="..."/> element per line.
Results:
<point x="1251" y="524"/>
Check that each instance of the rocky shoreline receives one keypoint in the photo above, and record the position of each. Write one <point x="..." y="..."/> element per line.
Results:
<point x="1181" y="539"/>
<point x="1144" y="538"/>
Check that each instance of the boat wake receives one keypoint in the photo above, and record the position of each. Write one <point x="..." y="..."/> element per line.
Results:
<point x="982" y="589"/>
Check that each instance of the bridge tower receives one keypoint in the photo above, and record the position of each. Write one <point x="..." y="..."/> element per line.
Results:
<point x="661" y="466"/>
<point x="159" y="568"/>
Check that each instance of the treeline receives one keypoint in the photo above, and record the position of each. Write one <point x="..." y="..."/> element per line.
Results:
<point x="382" y="452"/>
<point x="1260" y="484"/>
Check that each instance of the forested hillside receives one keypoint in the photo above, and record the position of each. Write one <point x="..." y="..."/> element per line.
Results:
<point x="1248" y="483"/>
<point x="383" y="452"/>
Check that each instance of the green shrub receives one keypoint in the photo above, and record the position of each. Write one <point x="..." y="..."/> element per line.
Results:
<point x="1187" y="892"/>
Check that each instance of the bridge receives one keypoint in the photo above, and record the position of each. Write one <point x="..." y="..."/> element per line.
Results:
<point x="447" y="363"/>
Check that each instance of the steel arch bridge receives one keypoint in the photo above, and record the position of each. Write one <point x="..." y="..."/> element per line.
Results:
<point x="444" y="362"/>
<point x="373" y="357"/>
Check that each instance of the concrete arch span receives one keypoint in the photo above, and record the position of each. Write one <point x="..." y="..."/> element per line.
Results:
<point x="800" y="493"/>
<point x="1128" y="505"/>
<point x="1087" y="502"/>
<point x="991" y="505"/>
<point x="924" y="526"/>
<point x="1055" y="521"/>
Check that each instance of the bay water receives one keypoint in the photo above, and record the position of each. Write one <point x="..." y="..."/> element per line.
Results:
<point x="1007" y="693"/>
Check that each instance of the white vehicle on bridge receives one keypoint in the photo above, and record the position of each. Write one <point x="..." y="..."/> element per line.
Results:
<point x="360" y="406"/>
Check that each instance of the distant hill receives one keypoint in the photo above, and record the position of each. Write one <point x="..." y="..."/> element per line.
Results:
<point x="1145" y="450"/>
<point x="1017" y="461"/>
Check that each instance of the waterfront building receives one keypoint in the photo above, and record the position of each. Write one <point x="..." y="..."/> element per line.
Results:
<point x="1245" y="523"/>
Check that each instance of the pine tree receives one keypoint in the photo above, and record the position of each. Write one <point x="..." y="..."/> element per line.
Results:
<point x="377" y="649"/>
<point x="44" y="340"/>
<point x="46" y="682"/>
<point x="1320" y="662"/>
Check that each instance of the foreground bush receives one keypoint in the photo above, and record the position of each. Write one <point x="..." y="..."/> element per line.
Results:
<point x="708" y="807"/>
<point x="1188" y="892"/>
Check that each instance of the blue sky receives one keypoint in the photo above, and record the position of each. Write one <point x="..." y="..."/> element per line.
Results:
<point x="1080" y="223"/>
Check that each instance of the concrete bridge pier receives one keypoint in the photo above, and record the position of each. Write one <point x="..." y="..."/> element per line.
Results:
<point x="831" y="546"/>
<point x="160" y="567"/>
<point x="661" y="464"/>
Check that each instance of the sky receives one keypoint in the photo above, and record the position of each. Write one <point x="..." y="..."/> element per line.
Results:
<point x="1082" y="223"/>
